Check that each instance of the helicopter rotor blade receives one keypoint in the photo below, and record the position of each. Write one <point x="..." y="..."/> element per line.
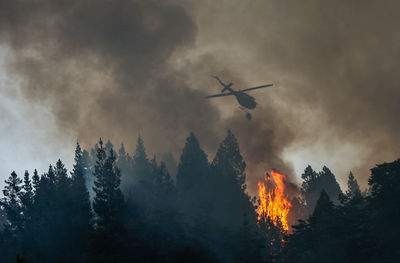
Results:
<point x="218" y="95"/>
<point x="258" y="87"/>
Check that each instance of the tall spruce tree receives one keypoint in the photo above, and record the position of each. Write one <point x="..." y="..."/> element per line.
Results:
<point x="193" y="166"/>
<point x="309" y="190"/>
<point x="125" y="164"/>
<point x="27" y="195"/>
<point x="80" y="219"/>
<point x="353" y="189"/>
<point x="324" y="207"/>
<point x="87" y="164"/>
<point x="139" y="184"/>
<point x="308" y="177"/>
<point x="109" y="147"/>
<point x="327" y="182"/>
<point x="79" y="191"/>
<point x="42" y="238"/>
<point x="35" y="180"/>
<point x="231" y="204"/>
<point x="12" y="202"/>
<point x="108" y="201"/>
<point x="384" y="202"/>
<point x="164" y="188"/>
<point x="61" y="178"/>
<point x="314" y="183"/>
<point x="124" y="161"/>
<point x="228" y="162"/>
<point x="141" y="164"/>
<point x="318" y="238"/>
<point x="191" y="179"/>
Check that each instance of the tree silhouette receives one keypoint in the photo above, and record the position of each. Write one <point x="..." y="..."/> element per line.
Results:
<point x="206" y="217"/>
<point x="11" y="202"/>
<point x="124" y="163"/>
<point x="314" y="183"/>
<point x="80" y="218"/>
<point x="27" y="196"/>
<point x="353" y="190"/>
<point x="35" y="180"/>
<point x="191" y="178"/>
<point x="228" y="185"/>
<point x="109" y="200"/>
<point x="384" y="200"/>
<point x="141" y="165"/>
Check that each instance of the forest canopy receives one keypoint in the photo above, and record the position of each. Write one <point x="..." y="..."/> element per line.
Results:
<point x="120" y="207"/>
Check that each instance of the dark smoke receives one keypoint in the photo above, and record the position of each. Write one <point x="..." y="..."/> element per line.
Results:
<point x="105" y="69"/>
<point x="336" y="64"/>
<point x="117" y="69"/>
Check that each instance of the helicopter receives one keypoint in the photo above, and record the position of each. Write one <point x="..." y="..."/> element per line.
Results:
<point x="245" y="101"/>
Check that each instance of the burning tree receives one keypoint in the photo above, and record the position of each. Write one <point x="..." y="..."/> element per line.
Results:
<point x="273" y="202"/>
<point x="273" y="210"/>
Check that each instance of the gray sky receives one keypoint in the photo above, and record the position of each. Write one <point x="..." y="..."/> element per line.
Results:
<point x="28" y="136"/>
<point x="85" y="69"/>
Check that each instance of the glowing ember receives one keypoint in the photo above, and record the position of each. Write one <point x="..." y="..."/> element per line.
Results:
<point x="273" y="203"/>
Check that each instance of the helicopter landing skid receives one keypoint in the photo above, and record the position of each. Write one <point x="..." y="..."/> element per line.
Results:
<point x="248" y="114"/>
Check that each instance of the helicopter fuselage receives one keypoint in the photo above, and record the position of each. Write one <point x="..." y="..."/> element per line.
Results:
<point x="245" y="100"/>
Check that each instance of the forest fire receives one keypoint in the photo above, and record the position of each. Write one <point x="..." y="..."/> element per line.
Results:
<point x="273" y="203"/>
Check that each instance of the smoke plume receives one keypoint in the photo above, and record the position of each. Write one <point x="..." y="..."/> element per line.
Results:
<point x="117" y="69"/>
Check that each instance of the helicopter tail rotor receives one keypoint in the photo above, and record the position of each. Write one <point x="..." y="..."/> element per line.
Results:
<point x="226" y="87"/>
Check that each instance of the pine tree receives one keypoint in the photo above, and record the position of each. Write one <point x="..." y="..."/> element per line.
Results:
<point x="164" y="188"/>
<point x="62" y="190"/>
<point x="309" y="191"/>
<point x="193" y="166"/>
<point x="324" y="207"/>
<point x="93" y="155"/>
<point x="141" y="165"/>
<point x="61" y="175"/>
<point x="43" y="229"/>
<point x="231" y="204"/>
<point x="272" y="235"/>
<point x="110" y="147"/>
<point x="108" y="201"/>
<point x="353" y="190"/>
<point x="228" y="161"/>
<point x="124" y="163"/>
<point x="308" y="177"/>
<point x="191" y="180"/>
<point x="12" y="203"/>
<point x="172" y="166"/>
<point x="78" y="172"/>
<point x="35" y="180"/>
<point x="51" y="177"/>
<point x="87" y="165"/>
<point x="329" y="184"/>
<point x="317" y="239"/>
<point x="165" y="180"/>
<point x="45" y="187"/>
<point x="140" y="152"/>
<point x="27" y="196"/>
<point x="122" y="154"/>
<point x="78" y="188"/>
<point x="80" y="218"/>
<point x="384" y="202"/>
<point x="314" y="183"/>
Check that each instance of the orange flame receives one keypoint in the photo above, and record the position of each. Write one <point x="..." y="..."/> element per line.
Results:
<point x="273" y="203"/>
